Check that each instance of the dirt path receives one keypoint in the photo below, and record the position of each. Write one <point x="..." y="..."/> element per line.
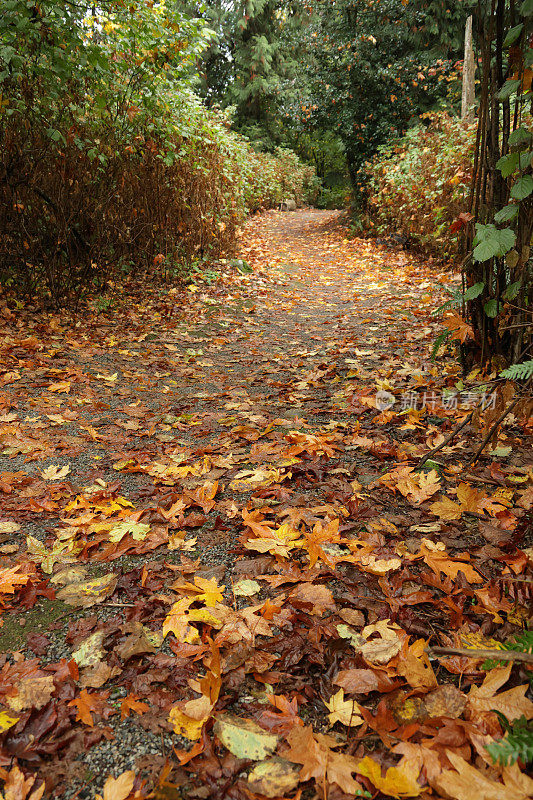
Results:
<point x="201" y="484"/>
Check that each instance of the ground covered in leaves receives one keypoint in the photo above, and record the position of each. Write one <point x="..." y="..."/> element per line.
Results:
<point x="223" y="575"/>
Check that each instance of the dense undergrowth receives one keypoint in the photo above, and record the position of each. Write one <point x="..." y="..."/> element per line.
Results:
<point x="108" y="160"/>
<point x="419" y="185"/>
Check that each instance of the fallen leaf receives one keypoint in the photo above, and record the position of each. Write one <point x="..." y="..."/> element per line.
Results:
<point x="465" y="782"/>
<point x="88" y="593"/>
<point x="244" y="738"/>
<point x="344" y="711"/>
<point x="273" y="777"/>
<point x="397" y="782"/>
<point x="119" y="788"/>
<point x="53" y="473"/>
<point x="32" y="692"/>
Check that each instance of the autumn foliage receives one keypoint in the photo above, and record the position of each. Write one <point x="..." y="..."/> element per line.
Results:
<point x="420" y="185"/>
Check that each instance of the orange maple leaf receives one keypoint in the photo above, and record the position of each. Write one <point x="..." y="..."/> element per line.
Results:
<point x="11" y="577"/>
<point x="459" y="329"/>
<point x="132" y="703"/>
<point x="86" y="703"/>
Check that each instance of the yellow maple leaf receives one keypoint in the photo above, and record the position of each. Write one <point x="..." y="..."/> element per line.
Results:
<point x="212" y="593"/>
<point x="398" y="781"/>
<point x="177" y="622"/>
<point x="344" y="711"/>
<point x="189" y="720"/>
<point x="446" y="509"/>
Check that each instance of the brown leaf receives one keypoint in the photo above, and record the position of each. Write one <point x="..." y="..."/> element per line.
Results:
<point x="309" y="594"/>
<point x="512" y="703"/>
<point x="465" y="782"/>
<point x="32" y="692"/>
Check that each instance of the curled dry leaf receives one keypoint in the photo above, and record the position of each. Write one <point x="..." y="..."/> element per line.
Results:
<point x="118" y="788"/>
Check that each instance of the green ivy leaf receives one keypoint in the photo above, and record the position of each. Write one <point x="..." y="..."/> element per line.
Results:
<point x="522" y="188"/>
<point x="474" y="291"/>
<point x="520" y="136"/>
<point x="491" y="242"/>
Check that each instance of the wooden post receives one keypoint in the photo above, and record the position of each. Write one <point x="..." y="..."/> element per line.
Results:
<point x="469" y="70"/>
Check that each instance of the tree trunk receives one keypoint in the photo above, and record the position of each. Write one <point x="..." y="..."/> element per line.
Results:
<point x="469" y="71"/>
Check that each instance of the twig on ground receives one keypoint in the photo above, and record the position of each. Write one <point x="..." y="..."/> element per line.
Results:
<point x="449" y="438"/>
<point x="494" y="427"/>
<point x="497" y="655"/>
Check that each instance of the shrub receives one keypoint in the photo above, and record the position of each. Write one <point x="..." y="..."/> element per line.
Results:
<point x="420" y="184"/>
<point x="106" y="154"/>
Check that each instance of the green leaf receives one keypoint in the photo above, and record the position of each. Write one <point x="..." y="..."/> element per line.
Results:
<point x="512" y="291"/>
<point x="526" y="9"/>
<point x="485" y="250"/>
<point x="525" y="160"/>
<point x="522" y="188"/>
<point x="516" y="744"/>
<point x="441" y="338"/>
<point x="518" y="372"/>
<point x="508" y="88"/>
<point x="513" y="35"/>
<point x="508" y="164"/>
<point x="506" y="213"/>
<point x="474" y="291"/>
<point x="490" y="242"/>
<point x="491" y="308"/>
<point x="520" y="136"/>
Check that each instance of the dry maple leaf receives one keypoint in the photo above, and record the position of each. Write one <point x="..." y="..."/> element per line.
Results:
<point x="344" y="711"/>
<point x="32" y="692"/>
<point x="397" y="782"/>
<point x="55" y="473"/>
<point x="319" y="761"/>
<point x="513" y="703"/>
<point x="457" y="326"/>
<point x="63" y="386"/>
<point x="317" y="537"/>
<point x="446" y="509"/>
<point x="440" y="561"/>
<point x="132" y="703"/>
<point x="416" y="668"/>
<point x="319" y="598"/>
<point x="10" y="578"/>
<point x="118" y="788"/>
<point x="465" y="782"/>
<point x="17" y="787"/>
<point x="86" y="703"/>
<point x="189" y="718"/>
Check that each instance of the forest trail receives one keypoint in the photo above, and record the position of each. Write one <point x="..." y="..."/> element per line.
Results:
<point x="200" y="484"/>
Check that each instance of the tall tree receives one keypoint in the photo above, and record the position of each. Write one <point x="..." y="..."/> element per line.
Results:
<point x="376" y="64"/>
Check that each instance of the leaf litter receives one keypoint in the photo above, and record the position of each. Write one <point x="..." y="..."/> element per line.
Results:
<point x="219" y="492"/>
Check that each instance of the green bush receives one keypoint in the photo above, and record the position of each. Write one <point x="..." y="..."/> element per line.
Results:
<point x="420" y="184"/>
<point x="106" y="154"/>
